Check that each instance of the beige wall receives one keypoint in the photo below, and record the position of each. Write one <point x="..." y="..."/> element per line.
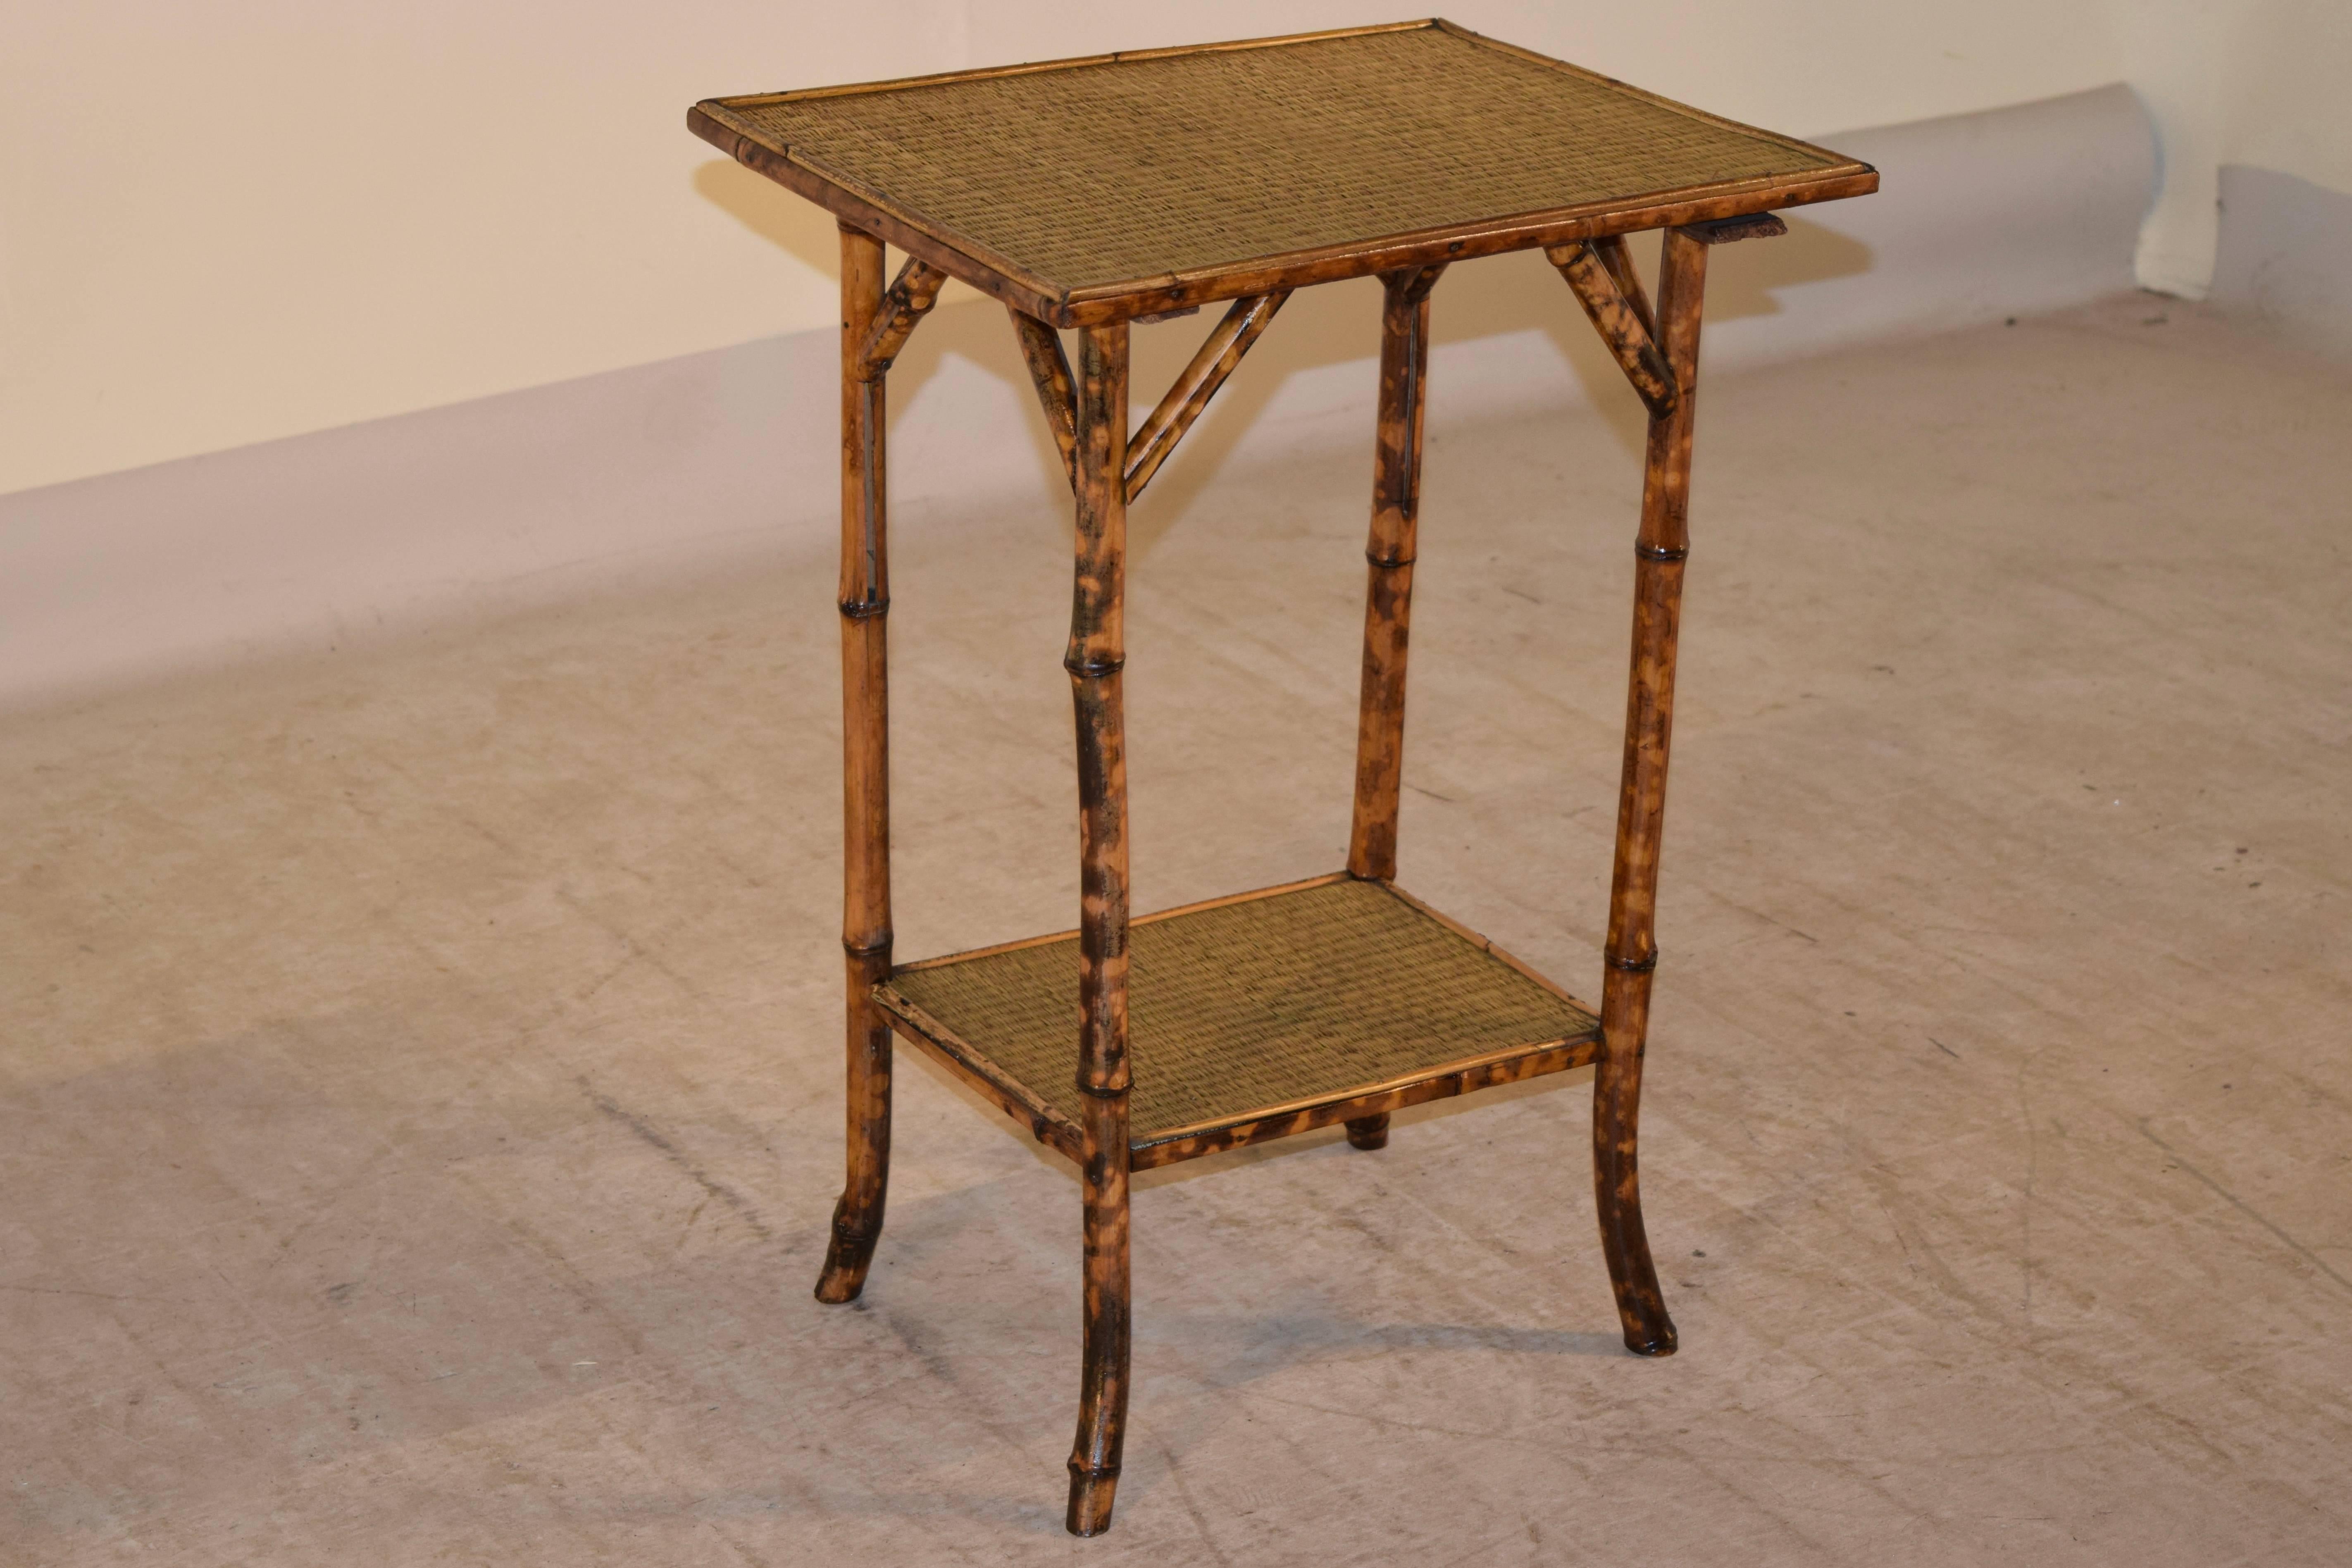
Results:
<point x="249" y="219"/>
<point x="224" y="224"/>
<point x="2266" y="83"/>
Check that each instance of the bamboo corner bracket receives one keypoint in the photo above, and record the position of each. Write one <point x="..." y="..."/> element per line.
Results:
<point x="1092" y="193"/>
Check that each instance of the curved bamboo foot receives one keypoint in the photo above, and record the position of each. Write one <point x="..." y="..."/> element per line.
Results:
<point x="847" y="1259"/>
<point x="1617" y="1192"/>
<point x="1103" y="1376"/>
<point x="858" y="1217"/>
<point x="1368" y="1132"/>
<point x="1641" y="1308"/>
<point x="1091" y="1496"/>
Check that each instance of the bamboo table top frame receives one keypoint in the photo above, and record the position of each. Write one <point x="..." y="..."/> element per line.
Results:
<point x="1103" y="188"/>
<point x="1087" y="194"/>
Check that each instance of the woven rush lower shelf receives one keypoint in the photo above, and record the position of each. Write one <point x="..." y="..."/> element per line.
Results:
<point x="1250" y="1017"/>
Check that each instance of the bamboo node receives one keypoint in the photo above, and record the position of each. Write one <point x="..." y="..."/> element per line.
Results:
<point x="865" y="609"/>
<point x="1661" y="552"/>
<point x="1642" y="966"/>
<point x="1378" y="559"/>
<point x="876" y="949"/>
<point x="1093" y="668"/>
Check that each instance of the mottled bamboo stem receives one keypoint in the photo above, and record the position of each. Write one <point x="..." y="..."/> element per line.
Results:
<point x="1222" y="350"/>
<point x="1660" y="550"/>
<point x="865" y="775"/>
<point x="1096" y="653"/>
<point x="1388" y="608"/>
<point x="1049" y="370"/>
<point x="1630" y="340"/>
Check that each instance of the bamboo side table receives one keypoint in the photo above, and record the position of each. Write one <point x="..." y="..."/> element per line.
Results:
<point x="1090" y="194"/>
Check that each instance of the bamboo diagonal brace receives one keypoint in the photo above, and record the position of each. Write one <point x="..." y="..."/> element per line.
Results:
<point x="1049" y="368"/>
<point x="1226" y="344"/>
<point x="1613" y="255"/>
<point x="1620" y="326"/>
<point x="909" y="299"/>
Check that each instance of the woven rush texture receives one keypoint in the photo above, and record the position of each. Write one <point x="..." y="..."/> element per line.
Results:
<point x="1121" y="171"/>
<point x="1251" y="1005"/>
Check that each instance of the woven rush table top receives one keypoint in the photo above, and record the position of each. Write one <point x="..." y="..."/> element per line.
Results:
<point x="1256" y="1003"/>
<point x="1120" y="173"/>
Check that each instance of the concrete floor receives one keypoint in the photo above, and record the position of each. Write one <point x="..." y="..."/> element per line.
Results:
<point x="420" y="1100"/>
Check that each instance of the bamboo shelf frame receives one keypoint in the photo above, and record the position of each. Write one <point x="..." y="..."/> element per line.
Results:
<point x="1090" y="194"/>
<point x="1251" y="1018"/>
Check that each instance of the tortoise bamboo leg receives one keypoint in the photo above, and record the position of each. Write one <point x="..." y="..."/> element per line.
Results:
<point x="1388" y="607"/>
<point x="1660" y="550"/>
<point x="1096" y="653"/>
<point x="1388" y="604"/>
<point x="865" y="774"/>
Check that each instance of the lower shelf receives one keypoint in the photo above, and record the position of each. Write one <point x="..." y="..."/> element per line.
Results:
<point x="1250" y="1018"/>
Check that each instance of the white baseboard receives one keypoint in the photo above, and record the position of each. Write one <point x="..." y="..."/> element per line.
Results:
<point x="715" y="461"/>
